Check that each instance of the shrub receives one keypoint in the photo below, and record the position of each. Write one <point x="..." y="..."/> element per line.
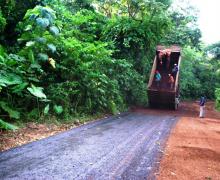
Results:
<point x="217" y="100"/>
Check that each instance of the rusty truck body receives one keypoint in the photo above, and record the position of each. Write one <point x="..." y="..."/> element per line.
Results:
<point x="163" y="95"/>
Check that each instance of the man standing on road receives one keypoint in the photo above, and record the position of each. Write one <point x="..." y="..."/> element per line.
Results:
<point x="202" y="106"/>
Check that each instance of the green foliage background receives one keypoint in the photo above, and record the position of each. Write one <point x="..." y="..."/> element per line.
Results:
<point x="66" y="58"/>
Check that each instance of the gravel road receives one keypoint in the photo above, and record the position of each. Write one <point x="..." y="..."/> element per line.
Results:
<point x="122" y="147"/>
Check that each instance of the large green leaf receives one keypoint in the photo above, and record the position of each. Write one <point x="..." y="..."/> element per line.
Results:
<point x="113" y="107"/>
<point x="58" y="109"/>
<point x="52" y="48"/>
<point x="31" y="56"/>
<point x="19" y="88"/>
<point x="218" y="73"/>
<point x="46" y="109"/>
<point x="43" y="57"/>
<point x="30" y="43"/>
<point x="16" y="58"/>
<point x="12" y="113"/>
<point x="28" y="28"/>
<point x="36" y="91"/>
<point x="7" y="126"/>
<point x="9" y="79"/>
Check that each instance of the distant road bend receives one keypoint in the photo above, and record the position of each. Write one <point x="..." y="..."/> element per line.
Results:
<point x="121" y="147"/>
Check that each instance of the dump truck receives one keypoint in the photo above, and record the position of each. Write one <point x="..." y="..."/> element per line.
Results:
<point x="162" y="95"/>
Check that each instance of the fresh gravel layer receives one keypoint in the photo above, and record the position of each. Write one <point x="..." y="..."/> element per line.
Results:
<point x="121" y="147"/>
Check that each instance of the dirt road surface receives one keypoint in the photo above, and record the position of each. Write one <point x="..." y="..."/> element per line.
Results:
<point x="193" y="148"/>
<point x="122" y="147"/>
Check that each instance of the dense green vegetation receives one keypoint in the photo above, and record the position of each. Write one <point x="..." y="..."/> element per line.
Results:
<point x="67" y="58"/>
<point x="199" y="74"/>
<point x="214" y="51"/>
